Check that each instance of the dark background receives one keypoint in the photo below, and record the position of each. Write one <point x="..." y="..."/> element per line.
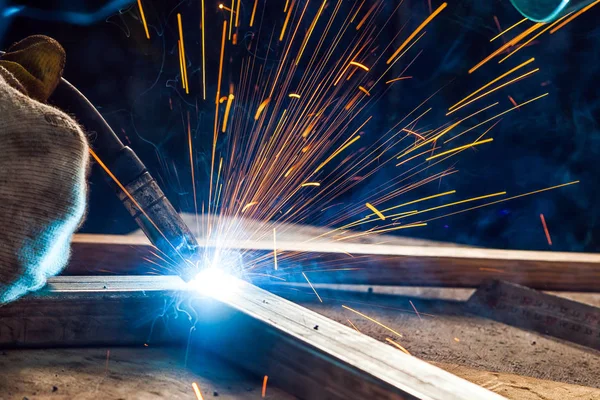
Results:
<point x="555" y="140"/>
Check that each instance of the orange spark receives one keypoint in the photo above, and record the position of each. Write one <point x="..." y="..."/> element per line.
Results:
<point x="456" y="339"/>
<point x="414" y="133"/>
<point x="359" y="65"/>
<point x="253" y="13"/>
<point x="197" y="391"/>
<point x="364" y="19"/>
<point x="572" y="17"/>
<point x="365" y="91"/>
<point x="227" y="109"/>
<point x="261" y="108"/>
<point x="507" y="45"/>
<point x="397" y="345"/>
<point x="548" y="238"/>
<point x="398" y="79"/>
<point x="275" y="249"/>
<point x="223" y="99"/>
<point x="187" y="88"/>
<point x="354" y="326"/>
<point x="237" y="14"/>
<point x="203" y="57"/>
<point x="181" y="61"/>
<point x="143" y="19"/>
<point x="416" y="32"/>
<point x="264" y="386"/>
<point x="287" y="19"/>
<point x="508" y="29"/>
<point x="312" y="287"/>
<point x="231" y="18"/>
<point x="372" y="320"/>
<point x="376" y="211"/>
<point x="247" y="206"/>
<point x="514" y="103"/>
<point x="310" y="31"/>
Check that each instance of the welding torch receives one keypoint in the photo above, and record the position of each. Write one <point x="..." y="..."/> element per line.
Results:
<point x="133" y="184"/>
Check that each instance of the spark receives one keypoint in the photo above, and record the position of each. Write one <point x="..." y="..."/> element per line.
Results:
<point x="415" y="308"/>
<point x="466" y="146"/>
<point x="294" y="95"/>
<point x="359" y="65"/>
<point x="192" y="167"/>
<point x="367" y="15"/>
<point x="275" y="249"/>
<point x="548" y="238"/>
<point x="338" y="151"/>
<point x="416" y="31"/>
<point x="203" y="57"/>
<point x="310" y="184"/>
<point x="181" y="61"/>
<point x="397" y="345"/>
<point x="398" y="79"/>
<point x="507" y="45"/>
<point x="365" y="91"/>
<point x="456" y="339"/>
<point x="287" y="19"/>
<point x="487" y="196"/>
<point x="264" y="386"/>
<point x="222" y="7"/>
<point x="525" y="75"/>
<point x="354" y="326"/>
<point x="422" y="199"/>
<point x="312" y="287"/>
<point x="261" y="108"/>
<point x="514" y="103"/>
<point x="231" y="18"/>
<point x="143" y="19"/>
<point x="414" y="133"/>
<point x="227" y="109"/>
<point x="372" y="320"/>
<point x="577" y="14"/>
<point x="508" y="29"/>
<point x="493" y="81"/>
<point x="491" y="270"/>
<point x="253" y="13"/>
<point x="237" y="14"/>
<point x="376" y="211"/>
<point x="252" y="203"/>
<point x="197" y="391"/>
<point x="187" y="88"/>
<point x="310" y="31"/>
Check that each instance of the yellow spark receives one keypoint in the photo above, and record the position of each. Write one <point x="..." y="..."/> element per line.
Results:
<point x="223" y="99"/>
<point x="534" y="37"/>
<point x="496" y="116"/>
<point x="416" y="32"/>
<point x="359" y="65"/>
<point x="310" y="31"/>
<point x="456" y="339"/>
<point x="506" y="199"/>
<point x="294" y="95"/>
<point x="231" y="18"/>
<point x="338" y="151"/>
<point x="261" y="107"/>
<point x="494" y="89"/>
<point x="237" y="14"/>
<point x="376" y="211"/>
<point x="466" y="146"/>
<point x="354" y="326"/>
<point x="197" y="391"/>
<point x="397" y="345"/>
<point x="365" y="91"/>
<point x="253" y="13"/>
<point x="287" y="19"/>
<point x="143" y="19"/>
<point x="187" y="88"/>
<point x="397" y="228"/>
<point x="203" y="58"/>
<point x="572" y="17"/>
<point x="508" y="44"/>
<point x="372" y="320"/>
<point x="264" y="386"/>
<point x="310" y="184"/>
<point x="247" y="206"/>
<point x="506" y="30"/>
<point x="493" y="81"/>
<point x="487" y="196"/>
<point x="287" y="2"/>
<point x="181" y="61"/>
<point x="275" y="249"/>
<point x="398" y="79"/>
<point x="419" y="200"/>
<point x="312" y="287"/>
<point x="357" y="10"/>
<point x="227" y="109"/>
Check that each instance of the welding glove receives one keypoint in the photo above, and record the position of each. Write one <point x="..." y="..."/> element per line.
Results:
<point x="43" y="168"/>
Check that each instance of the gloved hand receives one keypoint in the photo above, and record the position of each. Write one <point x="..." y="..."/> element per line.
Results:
<point x="43" y="169"/>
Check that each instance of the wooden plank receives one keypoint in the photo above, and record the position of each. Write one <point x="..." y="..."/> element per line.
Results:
<point x="304" y="353"/>
<point x="355" y="263"/>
